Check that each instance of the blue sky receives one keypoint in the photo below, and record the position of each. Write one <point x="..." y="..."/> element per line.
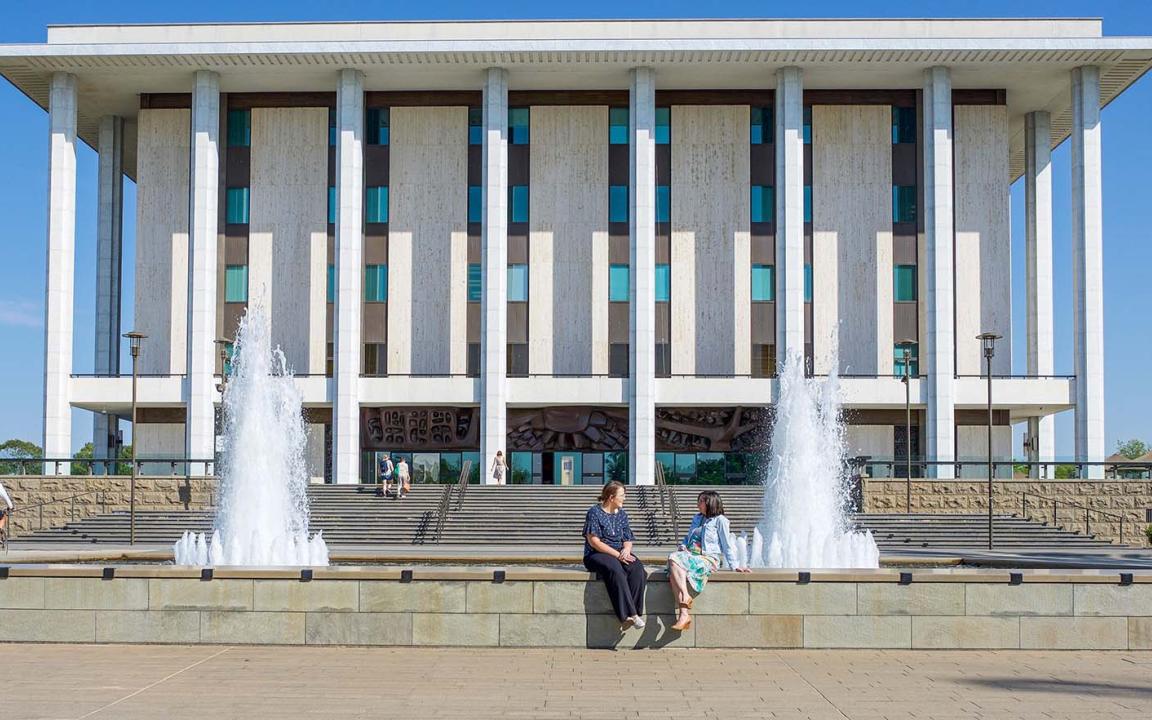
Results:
<point x="1127" y="211"/>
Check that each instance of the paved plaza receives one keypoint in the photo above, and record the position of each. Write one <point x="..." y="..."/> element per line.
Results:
<point x="128" y="682"/>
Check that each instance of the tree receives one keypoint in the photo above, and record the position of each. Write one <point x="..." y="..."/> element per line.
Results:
<point x="1132" y="449"/>
<point x="16" y="450"/>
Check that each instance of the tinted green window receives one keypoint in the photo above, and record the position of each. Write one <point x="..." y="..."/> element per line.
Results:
<point x="913" y="360"/>
<point x="518" y="203"/>
<point x="663" y="203"/>
<point x="236" y="206"/>
<point x="475" y="126"/>
<point x="376" y="205"/>
<point x="663" y="282"/>
<point x="376" y="126"/>
<point x="239" y="128"/>
<point x="763" y="283"/>
<point x="475" y="204"/>
<point x="618" y="283"/>
<point x="618" y="203"/>
<point x="331" y="206"/>
<point x="474" y="285"/>
<point x="332" y="127"/>
<point x="761" y="125"/>
<point x="618" y="126"/>
<point x="236" y="283"/>
<point x="763" y="203"/>
<point x="663" y="125"/>
<point x="518" y="123"/>
<point x="807" y="124"/>
<point x="903" y="125"/>
<point x="331" y="283"/>
<point x="807" y="203"/>
<point x="376" y="283"/>
<point x="807" y="283"/>
<point x="517" y="283"/>
<point x="904" y="203"/>
<point x="904" y="283"/>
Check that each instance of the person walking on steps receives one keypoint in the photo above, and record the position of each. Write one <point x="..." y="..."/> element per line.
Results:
<point x="498" y="468"/>
<point x="403" y="480"/>
<point x="386" y="470"/>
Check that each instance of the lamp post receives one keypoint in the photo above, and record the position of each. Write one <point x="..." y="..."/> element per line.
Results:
<point x="906" y="348"/>
<point x="224" y="344"/>
<point x="134" y="339"/>
<point x="988" y="340"/>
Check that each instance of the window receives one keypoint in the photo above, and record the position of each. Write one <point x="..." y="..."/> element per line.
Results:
<point x="518" y="283"/>
<point x="663" y="203"/>
<point x="475" y="126"/>
<point x="376" y="283"/>
<point x="807" y="124"/>
<point x="376" y="126"/>
<point x="761" y="125"/>
<point x="807" y="282"/>
<point x="329" y="358"/>
<point x="618" y="203"/>
<point x="474" y="285"/>
<point x="663" y="360"/>
<point x="518" y="203"/>
<point x="332" y="127"/>
<point x="763" y="203"/>
<point x="903" y="125"/>
<point x="236" y="206"/>
<point x="903" y="203"/>
<point x="375" y="359"/>
<point x="475" y="204"/>
<point x="763" y="360"/>
<point x="331" y="206"/>
<point x="904" y="283"/>
<point x="618" y="126"/>
<point x="331" y="283"/>
<point x="663" y="282"/>
<point x="376" y="205"/>
<point x="913" y="360"/>
<point x="229" y="353"/>
<point x="518" y="124"/>
<point x="807" y="203"/>
<point x="663" y="126"/>
<point x="517" y="359"/>
<point x="618" y="283"/>
<point x="473" y="365"/>
<point x="236" y="283"/>
<point x="618" y="359"/>
<point x="763" y="283"/>
<point x="239" y="128"/>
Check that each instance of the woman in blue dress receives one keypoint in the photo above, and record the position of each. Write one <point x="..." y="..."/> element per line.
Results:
<point x="608" y="552"/>
<point x="701" y="553"/>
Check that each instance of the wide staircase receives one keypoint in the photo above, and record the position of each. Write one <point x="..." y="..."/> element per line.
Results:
<point x="552" y="516"/>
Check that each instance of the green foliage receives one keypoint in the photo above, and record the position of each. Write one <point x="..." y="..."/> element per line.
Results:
<point x="1020" y="470"/>
<point x="1065" y="472"/>
<point x="16" y="449"/>
<point x="83" y="460"/>
<point x="1148" y="532"/>
<point x="1132" y="449"/>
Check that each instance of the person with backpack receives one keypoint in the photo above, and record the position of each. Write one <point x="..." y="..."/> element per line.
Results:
<point x="386" y="469"/>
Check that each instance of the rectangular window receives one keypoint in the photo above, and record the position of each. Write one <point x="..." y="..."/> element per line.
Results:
<point x="618" y="359"/>
<point x="473" y="364"/>
<point x="763" y="283"/>
<point x="898" y="360"/>
<point x="807" y="203"/>
<point x="763" y="203"/>
<point x="518" y="125"/>
<point x="236" y="206"/>
<point x="904" y="283"/>
<point x="475" y="126"/>
<point x="331" y="206"/>
<point x="332" y="127"/>
<point x="663" y="282"/>
<point x="618" y="126"/>
<point x="761" y="125"/>
<point x="375" y="359"/>
<point x="763" y="360"/>
<point x="331" y="283"/>
<point x="517" y="359"/>
<point x="517" y="283"/>
<point x="376" y="126"/>
<point x="903" y="203"/>
<point x="807" y="283"/>
<point x="618" y="203"/>
<point x="376" y="283"/>
<point x="236" y="283"/>
<point x="376" y="204"/>
<point x="903" y="125"/>
<point x="663" y="203"/>
<point x="474" y="284"/>
<point x="618" y="283"/>
<point x="663" y="125"/>
<point x="518" y="203"/>
<point x="663" y="360"/>
<point x="239" y="128"/>
<point x="329" y="358"/>
<point x="807" y="124"/>
<point x="475" y="204"/>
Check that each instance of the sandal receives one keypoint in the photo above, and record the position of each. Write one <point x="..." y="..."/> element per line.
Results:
<point x="682" y="625"/>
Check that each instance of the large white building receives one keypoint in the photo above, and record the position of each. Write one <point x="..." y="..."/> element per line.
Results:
<point x="584" y="243"/>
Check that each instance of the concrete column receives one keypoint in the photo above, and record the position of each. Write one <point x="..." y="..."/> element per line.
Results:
<point x="109" y="237"/>
<point x="642" y="284"/>
<point x="60" y="264"/>
<point x="1038" y="242"/>
<point x="939" y="351"/>
<point x="494" y="298"/>
<point x="349" y="275"/>
<point x="1088" y="266"/>
<point x="203" y="204"/>
<point x="789" y="118"/>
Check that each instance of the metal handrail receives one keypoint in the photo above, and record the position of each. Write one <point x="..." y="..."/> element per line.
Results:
<point x="666" y="494"/>
<point x="1056" y="502"/>
<point x="445" y="505"/>
<point x="39" y="508"/>
<point x="38" y="463"/>
<point x="462" y="483"/>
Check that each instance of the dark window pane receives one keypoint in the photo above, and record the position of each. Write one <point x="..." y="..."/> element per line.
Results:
<point x="474" y="282"/>
<point x="763" y="360"/>
<point x="903" y="125"/>
<point x="904" y="283"/>
<point x="473" y="368"/>
<point x="618" y="203"/>
<point x="376" y="126"/>
<point x="663" y="360"/>
<point x="904" y="203"/>
<point x="618" y="126"/>
<point x="475" y="126"/>
<point x="618" y="360"/>
<point x="663" y="126"/>
<point x="375" y="359"/>
<point x="518" y="124"/>
<point x="763" y="203"/>
<point x="239" y="128"/>
<point x="518" y="359"/>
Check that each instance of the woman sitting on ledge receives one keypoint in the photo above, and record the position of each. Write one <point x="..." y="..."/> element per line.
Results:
<point x="700" y="554"/>
<point x="608" y="552"/>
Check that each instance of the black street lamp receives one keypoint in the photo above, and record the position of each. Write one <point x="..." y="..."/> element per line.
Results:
<point x="906" y="348"/>
<point x="988" y="339"/>
<point x="134" y="339"/>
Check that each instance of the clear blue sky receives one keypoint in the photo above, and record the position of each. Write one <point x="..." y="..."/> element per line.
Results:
<point x="1127" y="157"/>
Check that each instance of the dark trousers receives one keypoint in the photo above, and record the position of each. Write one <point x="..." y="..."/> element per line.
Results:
<point x="625" y="583"/>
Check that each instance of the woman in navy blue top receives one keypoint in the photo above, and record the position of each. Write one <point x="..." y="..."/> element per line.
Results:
<point x="608" y="553"/>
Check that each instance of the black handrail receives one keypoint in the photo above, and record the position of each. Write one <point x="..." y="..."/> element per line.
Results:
<point x="1056" y="502"/>
<point x="39" y="508"/>
<point x="669" y="496"/>
<point x="23" y="464"/>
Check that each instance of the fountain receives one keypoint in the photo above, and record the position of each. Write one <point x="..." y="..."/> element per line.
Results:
<point x="262" y="518"/>
<point x="806" y="483"/>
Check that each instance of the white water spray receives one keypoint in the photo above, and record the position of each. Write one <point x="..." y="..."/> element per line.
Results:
<point x="263" y="513"/>
<point x="806" y="483"/>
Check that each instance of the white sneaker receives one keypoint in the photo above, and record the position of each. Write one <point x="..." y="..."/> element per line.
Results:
<point x="637" y="621"/>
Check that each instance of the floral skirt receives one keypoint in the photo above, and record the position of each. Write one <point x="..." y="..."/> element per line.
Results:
<point x="696" y="565"/>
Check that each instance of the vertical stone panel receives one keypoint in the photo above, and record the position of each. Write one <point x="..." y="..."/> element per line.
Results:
<point x="161" y="305"/>
<point x="852" y="237"/>
<point x="711" y="221"/>
<point x="288" y="232"/>
<point x="983" y="242"/>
